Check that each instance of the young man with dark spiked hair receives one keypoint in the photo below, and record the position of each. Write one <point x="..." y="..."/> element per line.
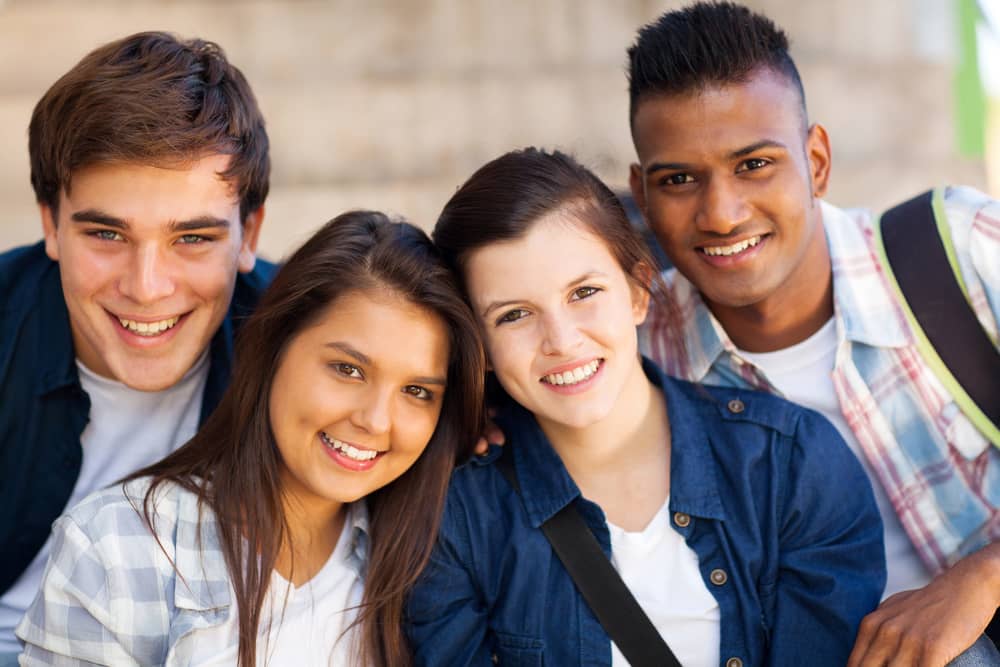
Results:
<point x="149" y="162"/>
<point x="776" y="289"/>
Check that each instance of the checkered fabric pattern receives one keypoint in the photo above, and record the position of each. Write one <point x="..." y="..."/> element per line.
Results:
<point x="940" y="473"/>
<point x="111" y="594"/>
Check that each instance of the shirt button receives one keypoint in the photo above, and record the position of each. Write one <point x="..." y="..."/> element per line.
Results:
<point x="681" y="519"/>
<point x="719" y="577"/>
<point x="736" y="406"/>
<point x="734" y="662"/>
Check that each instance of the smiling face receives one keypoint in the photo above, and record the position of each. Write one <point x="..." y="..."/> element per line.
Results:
<point x="148" y="258"/>
<point x="729" y="179"/>
<point x="357" y="396"/>
<point x="559" y="315"/>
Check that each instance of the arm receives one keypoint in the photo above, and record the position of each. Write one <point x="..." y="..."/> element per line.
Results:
<point x="831" y="566"/>
<point x="446" y="618"/>
<point x="75" y="619"/>
<point x="932" y="625"/>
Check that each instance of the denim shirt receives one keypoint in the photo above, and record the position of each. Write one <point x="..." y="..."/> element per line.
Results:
<point x="43" y="408"/>
<point x="766" y="493"/>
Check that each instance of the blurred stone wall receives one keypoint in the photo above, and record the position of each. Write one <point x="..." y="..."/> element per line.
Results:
<point x="391" y="105"/>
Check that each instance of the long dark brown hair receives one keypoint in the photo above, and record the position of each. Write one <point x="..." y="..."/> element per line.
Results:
<point x="505" y="197"/>
<point x="233" y="463"/>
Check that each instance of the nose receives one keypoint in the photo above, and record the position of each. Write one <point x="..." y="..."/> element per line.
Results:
<point x="149" y="278"/>
<point x="373" y="413"/>
<point x="560" y="333"/>
<point x="723" y="207"/>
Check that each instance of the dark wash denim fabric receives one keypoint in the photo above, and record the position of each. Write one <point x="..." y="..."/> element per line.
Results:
<point x="43" y="408"/>
<point x="776" y="501"/>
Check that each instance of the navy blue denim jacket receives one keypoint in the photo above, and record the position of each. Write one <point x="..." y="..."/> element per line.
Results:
<point x="43" y="408"/>
<point x="766" y="493"/>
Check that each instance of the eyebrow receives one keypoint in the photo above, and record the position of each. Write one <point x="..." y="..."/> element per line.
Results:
<point x="494" y="305"/>
<point x="363" y="358"/>
<point x="738" y="153"/>
<point x="96" y="216"/>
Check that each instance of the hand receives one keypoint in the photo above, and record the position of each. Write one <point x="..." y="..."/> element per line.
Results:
<point x="929" y="627"/>
<point x="491" y="434"/>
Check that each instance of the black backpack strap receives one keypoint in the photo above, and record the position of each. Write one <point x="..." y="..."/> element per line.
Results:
<point x="915" y="244"/>
<point x="599" y="583"/>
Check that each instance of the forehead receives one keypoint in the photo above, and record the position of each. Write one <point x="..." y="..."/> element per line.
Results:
<point x="719" y="118"/>
<point x="395" y="334"/>
<point x="146" y="194"/>
<point x="556" y="250"/>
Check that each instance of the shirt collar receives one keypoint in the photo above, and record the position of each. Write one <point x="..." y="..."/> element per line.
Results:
<point x="863" y="300"/>
<point x="546" y="486"/>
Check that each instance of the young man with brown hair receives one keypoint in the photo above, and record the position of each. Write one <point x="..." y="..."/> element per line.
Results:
<point x="149" y="162"/>
<point x="777" y="290"/>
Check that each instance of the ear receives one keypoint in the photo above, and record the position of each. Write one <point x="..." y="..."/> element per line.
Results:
<point x="820" y="156"/>
<point x="638" y="186"/>
<point x="640" y="284"/>
<point x="50" y="231"/>
<point x="248" y="245"/>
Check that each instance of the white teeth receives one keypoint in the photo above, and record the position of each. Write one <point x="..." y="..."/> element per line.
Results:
<point x="578" y="374"/>
<point x="348" y="450"/>
<point x="726" y="250"/>
<point x="148" y="328"/>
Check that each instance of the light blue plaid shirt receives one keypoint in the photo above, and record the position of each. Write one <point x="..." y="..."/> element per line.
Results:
<point x="939" y="471"/>
<point x="111" y="594"/>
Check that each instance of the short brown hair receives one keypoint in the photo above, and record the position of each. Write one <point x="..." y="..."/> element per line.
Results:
<point x="149" y="98"/>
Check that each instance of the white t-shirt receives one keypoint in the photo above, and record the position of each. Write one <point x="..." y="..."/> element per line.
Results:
<point x="662" y="572"/>
<point x="128" y="429"/>
<point x="311" y="629"/>
<point x="803" y="374"/>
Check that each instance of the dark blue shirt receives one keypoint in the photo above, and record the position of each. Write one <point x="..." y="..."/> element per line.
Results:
<point x="765" y="492"/>
<point x="43" y="408"/>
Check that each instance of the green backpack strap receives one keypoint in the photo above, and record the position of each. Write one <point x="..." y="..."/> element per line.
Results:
<point x="916" y="251"/>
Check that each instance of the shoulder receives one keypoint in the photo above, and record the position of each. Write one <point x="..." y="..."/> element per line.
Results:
<point x="21" y="269"/>
<point x="735" y="405"/>
<point x="117" y="512"/>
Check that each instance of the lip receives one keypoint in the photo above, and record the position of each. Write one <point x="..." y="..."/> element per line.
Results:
<point x="579" y="387"/>
<point x="348" y="463"/>
<point x="135" y="340"/>
<point x="740" y="258"/>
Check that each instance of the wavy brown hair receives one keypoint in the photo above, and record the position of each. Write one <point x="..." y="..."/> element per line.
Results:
<point x="233" y="463"/>
<point x="151" y="99"/>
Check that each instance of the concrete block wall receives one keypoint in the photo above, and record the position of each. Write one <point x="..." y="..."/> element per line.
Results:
<point x="392" y="104"/>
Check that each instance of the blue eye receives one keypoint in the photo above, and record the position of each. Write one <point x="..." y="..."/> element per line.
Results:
<point x="190" y="239"/>
<point x="106" y="235"/>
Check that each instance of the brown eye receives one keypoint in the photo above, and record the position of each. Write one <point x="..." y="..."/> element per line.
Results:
<point x="512" y="316"/>
<point x="584" y="292"/>
<point x="347" y="370"/>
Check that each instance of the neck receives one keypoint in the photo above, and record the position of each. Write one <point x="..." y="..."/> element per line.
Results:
<point x="313" y="531"/>
<point x="637" y="424"/>
<point x="796" y="310"/>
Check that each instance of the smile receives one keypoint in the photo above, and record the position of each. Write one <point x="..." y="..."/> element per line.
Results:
<point x="348" y="450"/>
<point x="727" y="250"/>
<point x="148" y="328"/>
<point x="573" y="376"/>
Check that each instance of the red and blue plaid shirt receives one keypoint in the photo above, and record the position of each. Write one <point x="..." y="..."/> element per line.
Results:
<point x="940" y="473"/>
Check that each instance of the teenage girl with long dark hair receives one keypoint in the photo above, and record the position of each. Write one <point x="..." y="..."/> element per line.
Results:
<point x="722" y="510"/>
<point x="290" y="528"/>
